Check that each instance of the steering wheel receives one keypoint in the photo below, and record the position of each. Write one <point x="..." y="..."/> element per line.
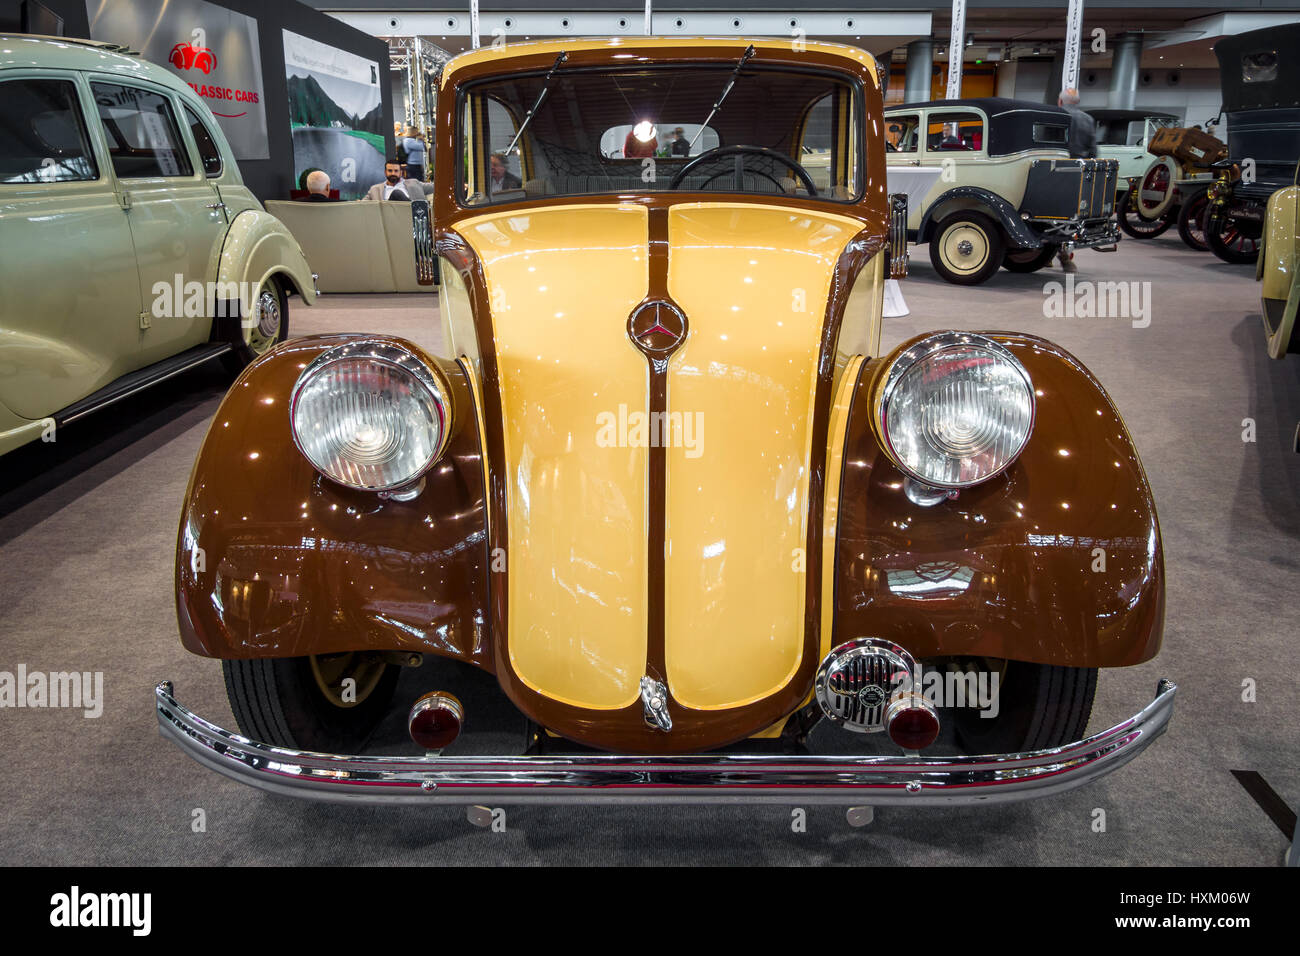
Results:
<point x="738" y="154"/>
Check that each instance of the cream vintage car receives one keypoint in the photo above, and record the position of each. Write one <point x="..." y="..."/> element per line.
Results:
<point x="1009" y="195"/>
<point x="1124" y="135"/>
<point x="662" y="482"/>
<point x="132" y="250"/>
<point x="1279" y="260"/>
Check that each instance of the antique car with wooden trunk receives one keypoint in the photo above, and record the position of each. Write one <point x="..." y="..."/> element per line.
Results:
<point x="1166" y="183"/>
<point x="1010" y="196"/>
<point x="663" y="484"/>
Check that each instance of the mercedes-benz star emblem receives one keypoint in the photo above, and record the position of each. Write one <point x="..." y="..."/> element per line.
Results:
<point x="657" y="328"/>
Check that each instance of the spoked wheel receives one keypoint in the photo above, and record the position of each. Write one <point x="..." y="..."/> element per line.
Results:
<point x="1038" y="706"/>
<point x="1231" y="239"/>
<point x="1191" y="220"/>
<point x="1138" y="228"/>
<point x="966" y="248"/>
<point x="326" y="702"/>
<point x="1157" y="193"/>
<point x="1028" y="260"/>
<point x="265" y="327"/>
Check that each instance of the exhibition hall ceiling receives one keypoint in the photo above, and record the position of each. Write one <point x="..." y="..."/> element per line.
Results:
<point x="1175" y="35"/>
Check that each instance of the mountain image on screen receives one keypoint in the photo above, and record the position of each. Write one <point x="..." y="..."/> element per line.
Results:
<point x="309" y="105"/>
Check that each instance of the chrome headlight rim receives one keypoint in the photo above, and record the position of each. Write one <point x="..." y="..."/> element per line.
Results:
<point x="396" y="356"/>
<point x="926" y="348"/>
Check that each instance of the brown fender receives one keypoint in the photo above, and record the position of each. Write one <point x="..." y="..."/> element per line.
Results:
<point x="274" y="560"/>
<point x="1006" y="569"/>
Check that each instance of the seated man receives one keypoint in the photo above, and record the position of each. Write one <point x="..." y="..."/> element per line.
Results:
<point x="680" y="146"/>
<point x="394" y="187"/>
<point x="502" y="180"/>
<point x="318" y="187"/>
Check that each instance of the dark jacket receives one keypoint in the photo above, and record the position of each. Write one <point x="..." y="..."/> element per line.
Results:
<point x="1083" y="134"/>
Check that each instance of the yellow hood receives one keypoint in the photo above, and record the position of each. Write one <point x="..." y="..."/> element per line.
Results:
<point x="753" y="282"/>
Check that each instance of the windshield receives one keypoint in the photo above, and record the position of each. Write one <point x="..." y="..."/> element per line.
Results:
<point x="636" y="130"/>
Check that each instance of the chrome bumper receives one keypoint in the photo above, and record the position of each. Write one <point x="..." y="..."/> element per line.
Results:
<point x="873" y="781"/>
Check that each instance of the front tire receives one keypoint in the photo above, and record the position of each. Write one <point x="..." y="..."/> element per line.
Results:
<point x="1134" y="223"/>
<point x="266" y="328"/>
<point x="966" y="248"/>
<point x="1191" y="221"/>
<point x="1040" y="706"/>
<point x="1229" y="240"/>
<point x="302" y="702"/>
<point x="1028" y="260"/>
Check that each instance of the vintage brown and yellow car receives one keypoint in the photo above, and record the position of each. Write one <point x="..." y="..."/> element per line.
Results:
<point x="662" y="483"/>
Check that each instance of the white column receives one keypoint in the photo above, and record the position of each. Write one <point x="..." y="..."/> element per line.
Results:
<point x="919" y="69"/>
<point x="473" y="23"/>
<point x="648" y="27"/>
<point x="1124" y="71"/>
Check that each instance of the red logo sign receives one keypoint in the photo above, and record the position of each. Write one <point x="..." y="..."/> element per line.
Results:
<point x="187" y="56"/>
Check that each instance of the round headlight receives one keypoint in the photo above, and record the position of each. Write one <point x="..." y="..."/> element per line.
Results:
<point x="369" y="415"/>
<point x="955" y="409"/>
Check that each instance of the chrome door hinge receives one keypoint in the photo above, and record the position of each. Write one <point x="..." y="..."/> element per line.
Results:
<point x="144" y="320"/>
<point x="125" y="199"/>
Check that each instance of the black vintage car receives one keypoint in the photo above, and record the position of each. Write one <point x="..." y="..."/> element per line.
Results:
<point x="1008" y="195"/>
<point x="1260" y="75"/>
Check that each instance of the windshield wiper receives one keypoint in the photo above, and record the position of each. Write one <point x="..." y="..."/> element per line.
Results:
<point x="744" y="58"/>
<point x="546" y="88"/>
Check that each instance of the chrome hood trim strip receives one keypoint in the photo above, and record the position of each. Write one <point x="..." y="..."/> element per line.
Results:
<point x="876" y="781"/>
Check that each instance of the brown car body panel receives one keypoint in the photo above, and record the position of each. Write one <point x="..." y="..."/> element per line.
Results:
<point x="273" y="560"/>
<point x="1010" y="568"/>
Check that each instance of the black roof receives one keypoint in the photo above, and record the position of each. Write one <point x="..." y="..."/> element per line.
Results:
<point x="1014" y="125"/>
<point x="1270" y="58"/>
<point x="1109" y="114"/>
<point x="992" y="105"/>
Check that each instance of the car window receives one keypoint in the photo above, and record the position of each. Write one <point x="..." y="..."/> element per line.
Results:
<point x="626" y="140"/>
<point x="1259" y="67"/>
<point x="43" y="134"/>
<point x="143" y="139"/>
<point x="903" y="133"/>
<point x="1051" y="134"/>
<point x="612" y="130"/>
<point x="954" y="132"/>
<point x="209" y="154"/>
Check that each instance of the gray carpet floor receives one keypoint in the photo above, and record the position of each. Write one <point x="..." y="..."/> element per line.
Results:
<point x="87" y="531"/>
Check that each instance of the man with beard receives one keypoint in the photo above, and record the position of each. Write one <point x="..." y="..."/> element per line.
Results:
<point x="394" y="187"/>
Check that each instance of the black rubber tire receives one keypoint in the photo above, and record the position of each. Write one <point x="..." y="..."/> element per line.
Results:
<point x="993" y="240"/>
<point x="239" y="358"/>
<point x="277" y="701"/>
<point x="1136" y="227"/>
<point x="1031" y="260"/>
<point x="1040" y="706"/>
<point x="1191" y="220"/>
<point x="1216" y="229"/>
